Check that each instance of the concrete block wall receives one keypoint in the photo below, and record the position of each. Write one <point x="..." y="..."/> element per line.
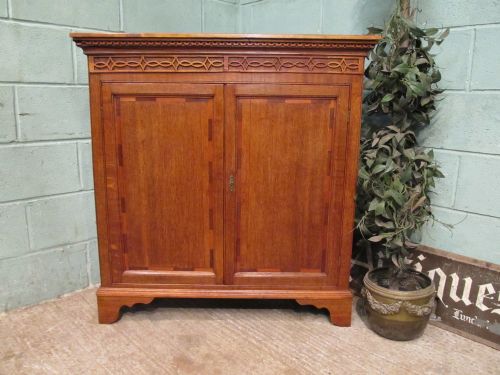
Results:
<point x="48" y="241"/>
<point x="47" y="231"/>
<point x="466" y="129"/>
<point x="312" y="16"/>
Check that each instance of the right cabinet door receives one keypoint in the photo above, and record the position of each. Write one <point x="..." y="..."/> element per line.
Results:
<point x="285" y="157"/>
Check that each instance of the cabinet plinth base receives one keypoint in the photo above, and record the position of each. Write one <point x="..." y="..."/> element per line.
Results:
<point x="109" y="306"/>
<point x="338" y="309"/>
<point x="338" y="302"/>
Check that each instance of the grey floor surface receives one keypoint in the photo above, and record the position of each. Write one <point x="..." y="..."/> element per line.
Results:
<point x="220" y="337"/>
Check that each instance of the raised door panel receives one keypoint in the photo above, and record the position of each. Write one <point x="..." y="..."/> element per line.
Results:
<point x="164" y="168"/>
<point x="286" y="149"/>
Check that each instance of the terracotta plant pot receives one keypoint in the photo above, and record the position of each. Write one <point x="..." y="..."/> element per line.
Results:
<point x="397" y="314"/>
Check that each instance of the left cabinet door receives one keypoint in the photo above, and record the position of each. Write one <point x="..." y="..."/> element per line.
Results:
<point x="163" y="162"/>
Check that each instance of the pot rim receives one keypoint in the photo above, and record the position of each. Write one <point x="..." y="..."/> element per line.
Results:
<point x="398" y="294"/>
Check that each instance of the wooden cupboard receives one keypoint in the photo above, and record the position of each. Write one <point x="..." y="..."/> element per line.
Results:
<point x="225" y="166"/>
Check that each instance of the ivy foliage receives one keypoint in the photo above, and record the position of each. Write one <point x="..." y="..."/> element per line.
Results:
<point x="396" y="176"/>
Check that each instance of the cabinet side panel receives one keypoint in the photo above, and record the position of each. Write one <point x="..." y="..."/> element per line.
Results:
<point x="351" y="176"/>
<point x="98" y="160"/>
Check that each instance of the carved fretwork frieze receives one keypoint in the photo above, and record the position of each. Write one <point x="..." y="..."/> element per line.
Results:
<point x="227" y="63"/>
<point x="294" y="64"/>
<point x="159" y="63"/>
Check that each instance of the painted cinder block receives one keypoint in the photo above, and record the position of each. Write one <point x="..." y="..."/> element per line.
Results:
<point x="472" y="235"/>
<point x="7" y="116"/>
<point x="96" y="14"/>
<point x="220" y="17"/>
<point x="444" y="192"/>
<point x="478" y="184"/>
<point x="354" y="16"/>
<point x="61" y="220"/>
<point x="33" y="171"/>
<point x="486" y="63"/>
<point x="93" y="259"/>
<point x="453" y="57"/>
<point x="245" y="15"/>
<point x="3" y="8"/>
<point x="35" y="54"/>
<point x="36" y="277"/>
<point x="85" y="160"/>
<point x="444" y="13"/>
<point x="282" y="16"/>
<point x="82" y="70"/>
<point x="14" y="230"/>
<point x="466" y="122"/>
<point x="53" y="112"/>
<point x="162" y="16"/>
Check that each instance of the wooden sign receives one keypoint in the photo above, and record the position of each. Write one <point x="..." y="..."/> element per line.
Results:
<point x="468" y="292"/>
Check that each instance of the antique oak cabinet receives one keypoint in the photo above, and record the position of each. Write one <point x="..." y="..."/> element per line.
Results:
<point x="225" y="166"/>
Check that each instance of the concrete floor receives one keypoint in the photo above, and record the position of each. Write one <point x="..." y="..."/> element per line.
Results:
<point x="220" y="337"/>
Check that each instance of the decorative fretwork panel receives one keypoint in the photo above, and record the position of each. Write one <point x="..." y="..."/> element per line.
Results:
<point x="294" y="64"/>
<point x="159" y="63"/>
<point x="232" y="63"/>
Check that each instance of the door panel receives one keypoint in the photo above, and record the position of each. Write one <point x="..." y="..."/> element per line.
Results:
<point x="164" y="159"/>
<point x="289" y="149"/>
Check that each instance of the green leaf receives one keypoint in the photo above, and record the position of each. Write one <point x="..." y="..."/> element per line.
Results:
<point x="402" y="68"/>
<point x="409" y="153"/>
<point x="387" y="98"/>
<point x="431" y="31"/>
<point x="378" y="168"/>
<point x="417" y="87"/>
<point x="418" y="32"/>
<point x="438" y="174"/>
<point x="385" y="139"/>
<point x="425" y="100"/>
<point x="423" y="157"/>
<point x="436" y="76"/>
<point x="363" y="174"/>
<point x="376" y="238"/>
<point x="421" y="61"/>
<point x="374" y="30"/>
<point x="372" y="107"/>
<point x="384" y="224"/>
<point x="380" y="208"/>
<point x="373" y="204"/>
<point x="406" y="175"/>
<point x="398" y="197"/>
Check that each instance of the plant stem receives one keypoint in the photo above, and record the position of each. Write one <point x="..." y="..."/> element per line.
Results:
<point x="405" y="8"/>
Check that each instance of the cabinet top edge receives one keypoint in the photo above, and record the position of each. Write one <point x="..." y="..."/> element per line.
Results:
<point x="203" y="36"/>
<point x="206" y="40"/>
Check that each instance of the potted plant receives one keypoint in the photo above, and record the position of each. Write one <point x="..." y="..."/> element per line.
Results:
<point x="396" y="176"/>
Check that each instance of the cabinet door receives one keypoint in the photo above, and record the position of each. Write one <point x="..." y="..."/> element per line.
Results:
<point x="285" y="147"/>
<point x="164" y="182"/>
